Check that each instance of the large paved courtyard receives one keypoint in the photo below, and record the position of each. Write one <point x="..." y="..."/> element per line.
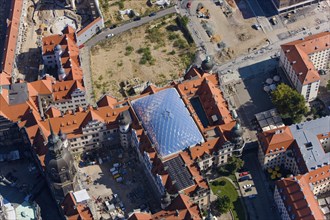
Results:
<point x="134" y="192"/>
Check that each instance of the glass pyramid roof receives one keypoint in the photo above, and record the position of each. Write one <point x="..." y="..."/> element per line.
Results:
<point x="167" y="121"/>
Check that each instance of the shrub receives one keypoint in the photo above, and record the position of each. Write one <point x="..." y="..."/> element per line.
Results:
<point x="172" y="36"/>
<point x="215" y="183"/>
<point x="222" y="183"/>
<point x="129" y="50"/>
<point x="146" y="56"/>
<point x="180" y="43"/>
<point x="121" y="4"/>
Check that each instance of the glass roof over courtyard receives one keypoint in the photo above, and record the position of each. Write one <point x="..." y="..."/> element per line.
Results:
<point x="167" y="121"/>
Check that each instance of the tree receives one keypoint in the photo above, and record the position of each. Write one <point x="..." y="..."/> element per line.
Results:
<point x="223" y="204"/>
<point x="234" y="164"/>
<point x="289" y="103"/>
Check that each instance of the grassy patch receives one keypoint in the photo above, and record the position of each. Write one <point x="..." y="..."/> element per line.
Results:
<point x="146" y="56"/>
<point x="229" y="190"/>
<point x="129" y="50"/>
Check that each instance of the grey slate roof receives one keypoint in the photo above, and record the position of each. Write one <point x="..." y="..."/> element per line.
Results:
<point x="311" y="149"/>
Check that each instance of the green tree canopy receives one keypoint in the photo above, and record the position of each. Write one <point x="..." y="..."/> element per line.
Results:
<point x="223" y="204"/>
<point x="289" y="103"/>
<point x="234" y="164"/>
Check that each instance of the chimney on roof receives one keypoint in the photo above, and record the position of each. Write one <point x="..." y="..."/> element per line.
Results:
<point x="173" y="182"/>
<point x="293" y="62"/>
<point x="279" y="131"/>
<point x="176" y="212"/>
<point x="287" y="51"/>
<point x="62" y="114"/>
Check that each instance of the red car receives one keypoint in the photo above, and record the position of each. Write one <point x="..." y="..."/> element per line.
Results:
<point x="243" y="174"/>
<point x="188" y="4"/>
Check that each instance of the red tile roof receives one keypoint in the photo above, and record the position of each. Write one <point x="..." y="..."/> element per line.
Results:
<point x="4" y="79"/>
<point x="213" y="103"/>
<point x="299" y="198"/>
<point x="70" y="52"/>
<point x="12" y="34"/>
<point x="89" y="26"/>
<point x="200" y="182"/>
<point x="72" y="124"/>
<point x="181" y="208"/>
<point x="75" y="211"/>
<point x="40" y="87"/>
<point x="64" y="89"/>
<point x="297" y="53"/>
<point x="275" y="139"/>
<point x="107" y="100"/>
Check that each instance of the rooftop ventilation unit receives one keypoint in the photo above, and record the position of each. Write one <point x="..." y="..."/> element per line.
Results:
<point x="309" y="145"/>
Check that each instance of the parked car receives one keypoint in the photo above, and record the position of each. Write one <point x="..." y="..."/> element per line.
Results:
<point x="152" y="14"/>
<point x="244" y="174"/>
<point x="119" y="180"/>
<point x="247" y="186"/>
<point x="113" y="26"/>
<point x="116" y="198"/>
<point x="137" y="18"/>
<point x="116" y="176"/>
<point x="110" y="35"/>
<point x="115" y="172"/>
<point x="116" y="165"/>
<point x="248" y="189"/>
<point x="243" y="178"/>
<point x="113" y="169"/>
<point x="121" y="205"/>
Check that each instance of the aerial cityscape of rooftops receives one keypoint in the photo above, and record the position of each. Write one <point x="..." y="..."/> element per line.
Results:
<point x="164" y="109"/>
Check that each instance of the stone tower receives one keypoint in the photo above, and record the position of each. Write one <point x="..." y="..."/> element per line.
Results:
<point x="125" y="122"/>
<point x="60" y="169"/>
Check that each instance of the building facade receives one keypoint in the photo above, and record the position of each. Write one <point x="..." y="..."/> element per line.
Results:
<point x="90" y="30"/>
<point x="288" y="5"/>
<point x="73" y="101"/>
<point x="302" y="60"/>
<point x="296" y="197"/>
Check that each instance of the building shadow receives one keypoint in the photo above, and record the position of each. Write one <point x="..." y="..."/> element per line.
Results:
<point x="262" y="8"/>
<point x="244" y="9"/>
<point x="28" y="63"/>
<point x="250" y="92"/>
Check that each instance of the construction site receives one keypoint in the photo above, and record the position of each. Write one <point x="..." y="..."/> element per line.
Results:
<point x="223" y="30"/>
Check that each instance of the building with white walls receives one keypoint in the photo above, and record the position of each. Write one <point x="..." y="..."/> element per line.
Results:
<point x="302" y="60"/>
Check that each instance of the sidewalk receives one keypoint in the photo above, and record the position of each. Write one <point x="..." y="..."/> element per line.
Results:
<point x="85" y="65"/>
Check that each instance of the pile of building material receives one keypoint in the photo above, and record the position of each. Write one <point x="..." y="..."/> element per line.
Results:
<point x="202" y="12"/>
